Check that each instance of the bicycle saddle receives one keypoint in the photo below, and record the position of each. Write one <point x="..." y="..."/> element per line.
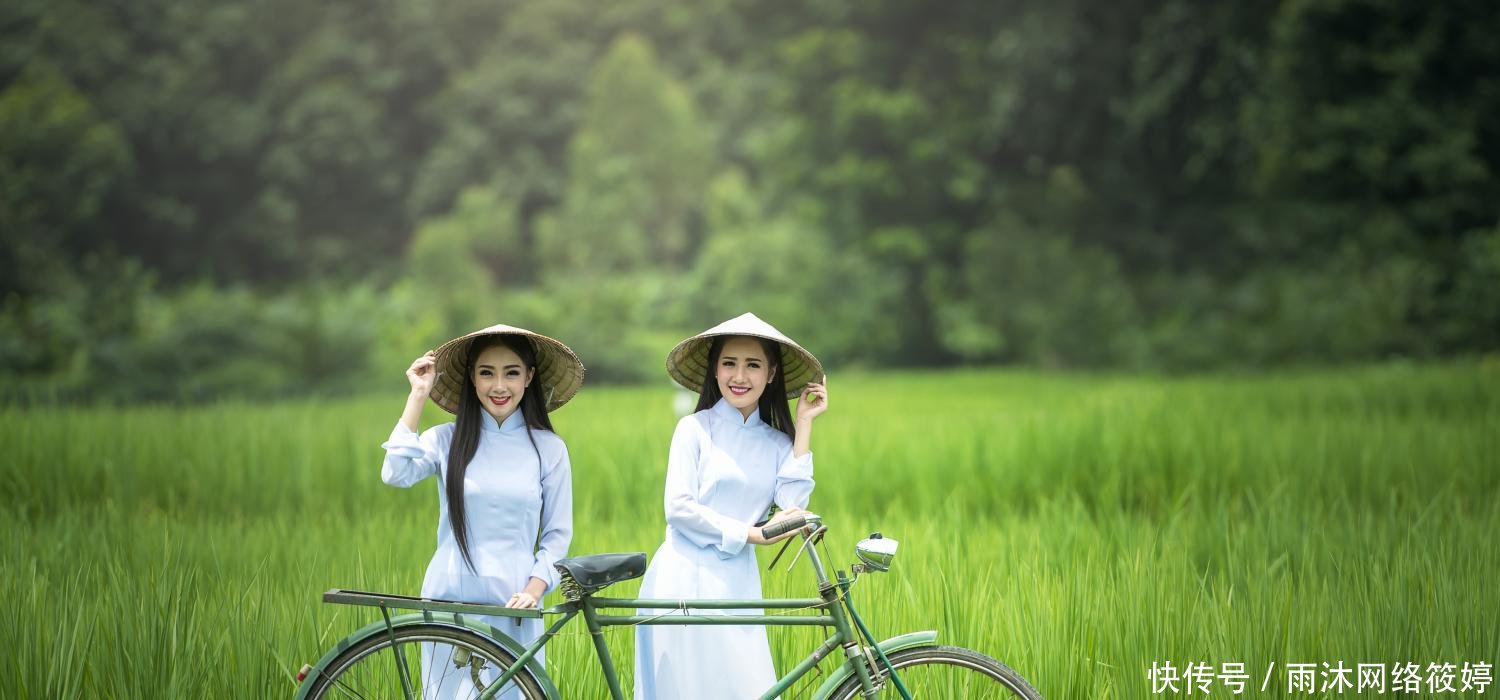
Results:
<point x="596" y="571"/>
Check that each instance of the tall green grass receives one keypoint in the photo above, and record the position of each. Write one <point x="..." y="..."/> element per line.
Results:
<point x="1076" y="527"/>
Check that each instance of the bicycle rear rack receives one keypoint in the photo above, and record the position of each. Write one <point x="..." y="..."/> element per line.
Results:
<point x="404" y="602"/>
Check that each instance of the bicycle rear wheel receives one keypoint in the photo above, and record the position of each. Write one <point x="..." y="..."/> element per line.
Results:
<point x="935" y="672"/>
<point x="438" y="662"/>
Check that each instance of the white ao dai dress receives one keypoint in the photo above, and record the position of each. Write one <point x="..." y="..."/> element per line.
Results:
<point x="519" y="511"/>
<point x="723" y="472"/>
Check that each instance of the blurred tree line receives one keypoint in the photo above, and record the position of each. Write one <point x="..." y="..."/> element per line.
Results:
<point x="266" y="197"/>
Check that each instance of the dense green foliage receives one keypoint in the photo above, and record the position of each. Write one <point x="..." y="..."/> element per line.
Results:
<point x="1077" y="527"/>
<point x="1157" y="183"/>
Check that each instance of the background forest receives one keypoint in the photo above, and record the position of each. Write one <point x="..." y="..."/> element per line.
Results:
<point x="267" y="197"/>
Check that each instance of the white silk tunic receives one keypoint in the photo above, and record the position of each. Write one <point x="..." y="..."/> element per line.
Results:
<point x="723" y="472"/>
<point x="519" y="511"/>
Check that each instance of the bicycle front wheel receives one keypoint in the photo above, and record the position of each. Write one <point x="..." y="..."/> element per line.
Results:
<point x="437" y="662"/>
<point x="936" y="672"/>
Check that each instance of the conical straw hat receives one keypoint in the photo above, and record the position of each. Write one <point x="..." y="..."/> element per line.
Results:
<point x="559" y="372"/>
<point x="688" y="362"/>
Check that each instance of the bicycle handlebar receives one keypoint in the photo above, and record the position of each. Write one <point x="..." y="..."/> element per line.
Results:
<point x="771" y="532"/>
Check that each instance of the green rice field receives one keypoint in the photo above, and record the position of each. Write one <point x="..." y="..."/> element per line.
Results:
<point x="1079" y="528"/>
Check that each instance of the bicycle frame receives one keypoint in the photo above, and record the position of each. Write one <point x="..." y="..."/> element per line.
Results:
<point x="831" y="611"/>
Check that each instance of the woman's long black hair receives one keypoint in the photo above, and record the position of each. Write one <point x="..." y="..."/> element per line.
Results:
<point x="533" y="408"/>
<point x="773" y="402"/>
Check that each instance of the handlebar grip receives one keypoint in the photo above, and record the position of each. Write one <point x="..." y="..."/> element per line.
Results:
<point x="771" y="532"/>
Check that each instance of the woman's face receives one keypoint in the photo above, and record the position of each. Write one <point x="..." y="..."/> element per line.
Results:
<point x="500" y="381"/>
<point x="743" y="371"/>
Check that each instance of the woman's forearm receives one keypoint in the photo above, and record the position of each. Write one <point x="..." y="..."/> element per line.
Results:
<point x="803" y="444"/>
<point x="413" y="411"/>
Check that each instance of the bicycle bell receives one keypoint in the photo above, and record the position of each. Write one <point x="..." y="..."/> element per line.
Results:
<point x="876" y="552"/>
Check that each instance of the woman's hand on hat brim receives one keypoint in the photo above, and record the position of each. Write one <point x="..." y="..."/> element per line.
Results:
<point x="422" y="373"/>
<point x="813" y="401"/>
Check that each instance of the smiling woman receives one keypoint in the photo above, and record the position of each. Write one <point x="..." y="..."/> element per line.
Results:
<point x="739" y="453"/>
<point x="500" y="375"/>
<point x="506" y="495"/>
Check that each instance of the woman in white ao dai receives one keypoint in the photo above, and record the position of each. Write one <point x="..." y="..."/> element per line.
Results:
<point x="728" y="463"/>
<point x="513" y="518"/>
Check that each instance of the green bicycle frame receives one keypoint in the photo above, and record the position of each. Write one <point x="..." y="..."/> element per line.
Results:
<point x="828" y="610"/>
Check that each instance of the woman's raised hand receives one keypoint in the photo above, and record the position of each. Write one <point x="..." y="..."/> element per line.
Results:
<point x="813" y="402"/>
<point x="422" y="373"/>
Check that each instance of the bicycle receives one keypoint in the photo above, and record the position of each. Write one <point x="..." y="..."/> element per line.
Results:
<point x="379" y="660"/>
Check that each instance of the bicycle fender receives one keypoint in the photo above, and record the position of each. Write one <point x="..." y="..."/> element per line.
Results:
<point x="377" y="628"/>
<point x="897" y="643"/>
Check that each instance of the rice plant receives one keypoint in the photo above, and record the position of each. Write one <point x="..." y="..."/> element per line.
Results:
<point x="1080" y="528"/>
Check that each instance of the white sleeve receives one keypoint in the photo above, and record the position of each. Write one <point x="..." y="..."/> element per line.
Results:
<point x="410" y="458"/>
<point x="700" y="524"/>
<point x="557" y="519"/>
<point x="794" y="480"/>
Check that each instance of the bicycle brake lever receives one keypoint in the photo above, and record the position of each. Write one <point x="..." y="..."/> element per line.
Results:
<point x="780" y="552"/>
<point x="809" y="541"/>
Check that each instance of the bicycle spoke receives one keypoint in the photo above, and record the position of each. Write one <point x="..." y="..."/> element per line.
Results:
<point x="348" y="692"/>
<point x="446" y="665"/>
<point x="441" y="678"/>
<point x="942" y="681"/>
<point x="930" y="673"/>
